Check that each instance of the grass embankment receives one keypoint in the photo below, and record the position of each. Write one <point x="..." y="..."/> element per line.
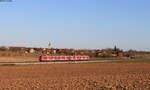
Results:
<point x="133" y="61"/>
<point x="119" y="60"/>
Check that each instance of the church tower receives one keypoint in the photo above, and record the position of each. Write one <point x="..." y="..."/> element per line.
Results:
<point x="49" y="46"/>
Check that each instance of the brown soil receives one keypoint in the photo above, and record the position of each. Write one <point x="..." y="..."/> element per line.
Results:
<point x="19" y="59"/>
<point x="92" y="76"/>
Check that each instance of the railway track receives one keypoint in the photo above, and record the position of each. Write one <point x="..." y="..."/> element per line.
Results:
<point x="56" y="62"/>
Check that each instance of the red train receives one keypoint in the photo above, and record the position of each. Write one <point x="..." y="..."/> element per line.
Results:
<point x="64" y="58"/>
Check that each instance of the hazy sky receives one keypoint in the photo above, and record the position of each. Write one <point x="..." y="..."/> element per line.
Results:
<point x="90" y="24"/>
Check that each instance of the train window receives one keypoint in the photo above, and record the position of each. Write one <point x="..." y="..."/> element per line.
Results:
<point x="53" y="57"/>
<point x="62" y="57"/>
<point x="44" y="57"/>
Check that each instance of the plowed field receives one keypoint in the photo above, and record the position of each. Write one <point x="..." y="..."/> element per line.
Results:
<point x="91" y="76"/>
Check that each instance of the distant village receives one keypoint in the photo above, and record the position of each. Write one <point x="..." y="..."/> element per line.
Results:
<point x="103" y="53"/>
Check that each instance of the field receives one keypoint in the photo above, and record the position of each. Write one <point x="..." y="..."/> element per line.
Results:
<point x="89" y="76"/>
<point x="18" y="59"/>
